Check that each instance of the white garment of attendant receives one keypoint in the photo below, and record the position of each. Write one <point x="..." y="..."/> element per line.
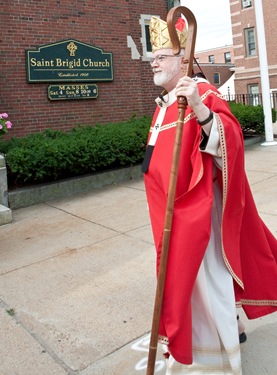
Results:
<point x="215" y="340"/>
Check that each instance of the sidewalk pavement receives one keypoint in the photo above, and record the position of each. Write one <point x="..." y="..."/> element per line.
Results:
<point x="77" y="282"/>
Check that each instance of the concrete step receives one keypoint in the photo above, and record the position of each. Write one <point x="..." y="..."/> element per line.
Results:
<point x="5" y="215"/>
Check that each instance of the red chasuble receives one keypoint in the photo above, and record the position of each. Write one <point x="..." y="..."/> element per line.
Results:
<point x="249" y="249"/>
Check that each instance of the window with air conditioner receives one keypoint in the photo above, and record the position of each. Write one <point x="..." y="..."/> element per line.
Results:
<point x="246" y="3"/>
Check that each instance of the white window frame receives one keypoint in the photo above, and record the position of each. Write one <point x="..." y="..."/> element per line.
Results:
<point x="211" y="59"/>
<point x="145" y="21"/>
<point x="248" y="42"/>
<point x="230" y="58"/>
<point x="273" y="103"/>
<point x="218" y="75"/>
<point x="253" y="89"/>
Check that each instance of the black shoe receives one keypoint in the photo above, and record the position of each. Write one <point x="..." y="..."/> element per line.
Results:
<point x="242" y="337"/>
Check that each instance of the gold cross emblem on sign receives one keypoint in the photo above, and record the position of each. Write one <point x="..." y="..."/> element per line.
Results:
<point x="72" y="48"/>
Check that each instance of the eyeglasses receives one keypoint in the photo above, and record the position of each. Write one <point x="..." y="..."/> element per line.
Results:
<point x="161" y="58"/>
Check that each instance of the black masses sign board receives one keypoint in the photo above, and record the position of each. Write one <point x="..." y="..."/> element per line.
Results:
<point x="77" y="91"/>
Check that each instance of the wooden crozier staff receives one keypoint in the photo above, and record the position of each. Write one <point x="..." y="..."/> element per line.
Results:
<point x="187" y="65"/>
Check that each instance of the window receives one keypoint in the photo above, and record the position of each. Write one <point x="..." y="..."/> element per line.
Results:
<point x="246" y="3"/>
<point x="211" y="59"/>
<point x="250" y="43"/>
<point x="216" y="78"/>
<point x="145" y="36"/>
<point x="172" y="3"/>
<point x="227" y="57"/>
<point x="253" y="92"/>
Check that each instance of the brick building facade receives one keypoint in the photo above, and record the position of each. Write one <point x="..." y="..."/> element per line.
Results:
<point x="114" y="26"/>
<point x="217" y="64"/>
<point x="219" y="55"/>
<point x="246" y="57"/>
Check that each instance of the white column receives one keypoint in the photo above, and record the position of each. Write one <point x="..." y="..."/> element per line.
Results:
<point x="269" y="137"/>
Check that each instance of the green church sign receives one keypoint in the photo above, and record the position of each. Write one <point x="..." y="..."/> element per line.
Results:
<point x="68" y="61"/>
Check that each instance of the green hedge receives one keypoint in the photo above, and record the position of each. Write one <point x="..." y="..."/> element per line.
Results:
<point x="251" y="118"/>
<point x="51" y="155"/>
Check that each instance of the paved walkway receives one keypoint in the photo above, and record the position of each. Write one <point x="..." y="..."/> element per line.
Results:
<point x="77" y="282"/>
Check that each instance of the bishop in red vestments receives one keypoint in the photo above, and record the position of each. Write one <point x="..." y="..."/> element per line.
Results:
<point x="221" y="253"/>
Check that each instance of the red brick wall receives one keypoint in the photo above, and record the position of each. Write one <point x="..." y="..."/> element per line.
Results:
<point x="218" y="53"/>
<point x="27" y="24"/>
<point x="247" y="69"/>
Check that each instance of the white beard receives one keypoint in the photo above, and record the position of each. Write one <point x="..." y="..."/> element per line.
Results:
<point x="162" y="78"/>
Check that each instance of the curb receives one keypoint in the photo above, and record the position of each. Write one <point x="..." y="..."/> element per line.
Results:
<point x="25" y="197"/>
<point x="252" y="139"/>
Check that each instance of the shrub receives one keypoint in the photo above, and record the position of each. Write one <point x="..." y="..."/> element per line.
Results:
<point x="251" y="118"/>
<point x="52" y="154"/>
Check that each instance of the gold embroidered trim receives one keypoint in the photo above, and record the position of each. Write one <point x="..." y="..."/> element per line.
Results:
<point x="208" y="92"/>
<point x="174" y="124"/>
<point x="224" y="197"/>
<point x="252" y="302"/>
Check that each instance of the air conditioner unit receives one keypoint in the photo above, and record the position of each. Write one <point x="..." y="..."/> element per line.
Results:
<point x="246" y="3"/>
